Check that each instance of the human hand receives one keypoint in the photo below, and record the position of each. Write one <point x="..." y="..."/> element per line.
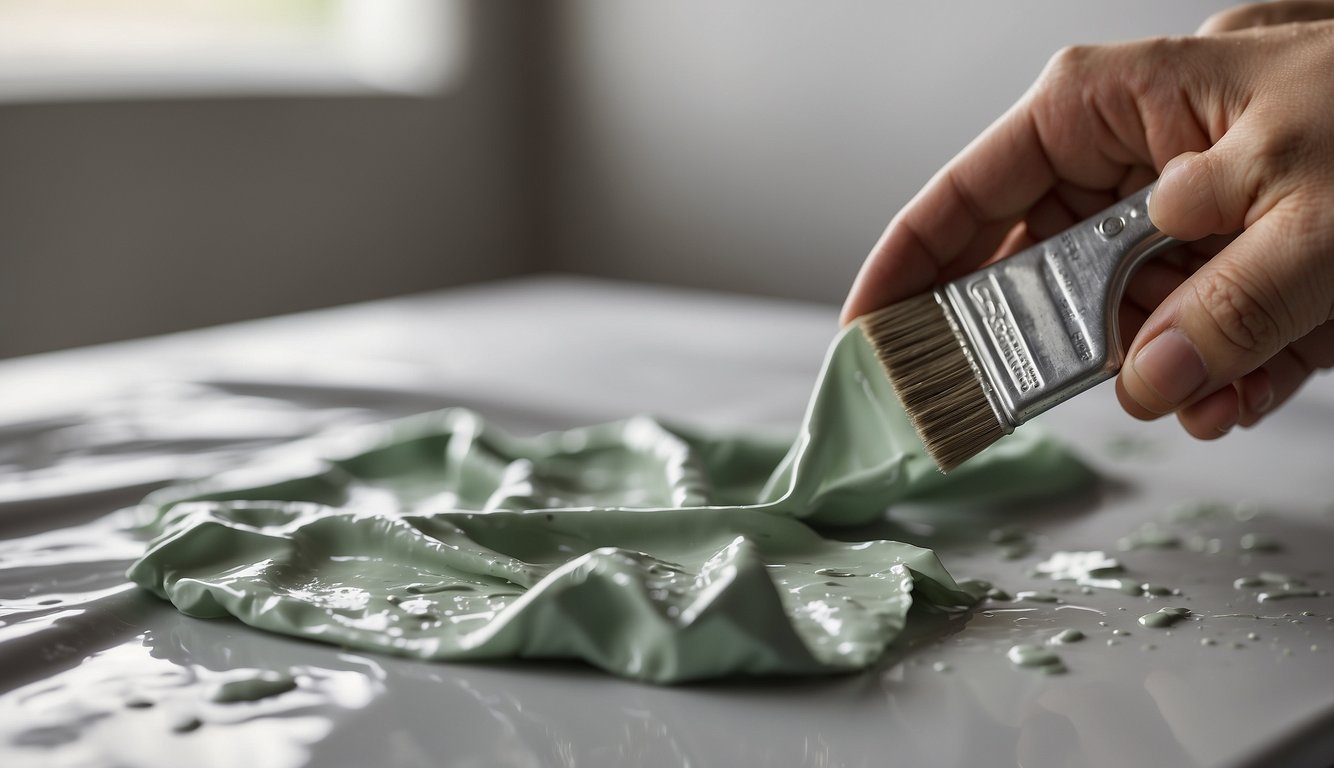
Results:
<point x="1239" y="128"/>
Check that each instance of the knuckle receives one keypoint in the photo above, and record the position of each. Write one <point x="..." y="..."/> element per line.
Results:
<point x="1238" y="312"/>
<point x="1280" y="150"/>
<point x="1155" y="70"/>
<point x="1240" y="17"/>
<point x="1069" y="65"/>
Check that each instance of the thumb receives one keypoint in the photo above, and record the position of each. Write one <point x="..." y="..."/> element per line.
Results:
<point x="1269" y="287"/>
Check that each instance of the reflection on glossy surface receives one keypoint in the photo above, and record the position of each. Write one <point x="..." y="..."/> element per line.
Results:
<point x="716" y="361"/>
<point x="650" y="550"/>
<point x="123" y="706"/>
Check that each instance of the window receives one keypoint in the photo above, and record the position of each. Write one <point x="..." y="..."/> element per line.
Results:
<point x="81" y="49"/>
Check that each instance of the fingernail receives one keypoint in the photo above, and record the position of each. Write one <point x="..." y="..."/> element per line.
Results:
<point x="1171" y="366"/>
<point x="1227" y="427"/>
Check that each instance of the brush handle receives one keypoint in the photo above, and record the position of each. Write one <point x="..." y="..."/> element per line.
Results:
<point x="1041" y="325"/>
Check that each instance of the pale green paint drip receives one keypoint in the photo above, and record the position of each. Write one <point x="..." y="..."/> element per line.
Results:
<point x="1255" y="542"/>
<point x="1164" y="617"/>
<point x="260" y="685"/>
<point x="1026" y="655"/>
<point x="1277" y="586"/>
<point x="649" y="549"/>
<point x="1066" y="636"/>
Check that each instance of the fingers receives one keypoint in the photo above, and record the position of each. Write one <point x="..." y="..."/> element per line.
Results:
<point x="967" y="210"/>
<point x="1265" y="290"/>
<point x="1212" y="416"/>
<point x="1081" y="127"/>
<point x="959" y="218"/>
<point x="1267" y="14"/>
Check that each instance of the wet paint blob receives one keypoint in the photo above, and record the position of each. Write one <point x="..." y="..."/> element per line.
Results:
<point x="1163" y="618"/>
<point x="253" y="687"/>
<point x="701" y="550"/>
<point x="1035" y="656"/>
<point x="1066" y="636"/>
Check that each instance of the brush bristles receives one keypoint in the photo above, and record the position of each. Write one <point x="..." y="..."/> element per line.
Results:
<point x="930" y="371"/>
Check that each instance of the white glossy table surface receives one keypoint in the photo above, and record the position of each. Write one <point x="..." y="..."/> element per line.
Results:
<point x="85" y="432"/>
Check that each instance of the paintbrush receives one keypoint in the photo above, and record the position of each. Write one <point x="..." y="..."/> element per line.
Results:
<point x="978" y="356"/>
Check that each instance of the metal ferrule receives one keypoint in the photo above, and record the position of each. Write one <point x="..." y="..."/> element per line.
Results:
<point x="1040" y="327"/>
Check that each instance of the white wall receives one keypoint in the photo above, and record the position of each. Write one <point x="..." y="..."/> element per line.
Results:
<point x="762" y="145"/>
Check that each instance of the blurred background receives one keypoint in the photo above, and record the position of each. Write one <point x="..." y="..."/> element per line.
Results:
<point x="169" y="164"/>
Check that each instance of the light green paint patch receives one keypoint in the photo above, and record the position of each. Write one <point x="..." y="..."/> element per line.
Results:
<point x="647" y="548"/>
<point x="1164" y="617"/>
<point x="1066" y="636"/>
<point x="1036" y="656"/>
<point x="260" y="685"/>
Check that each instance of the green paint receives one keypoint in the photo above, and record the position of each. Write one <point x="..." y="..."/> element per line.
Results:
<point x="1066" y="636"/>
<point x="1164" y="617"/>
<point x="1277" y="586"/>
<point x="1006" y="535"/>
<point x="1254" y="542"/>
<point x="1150" y="536"/>
<point x="646" y="548"/>
<point x="1289" y="591"/>
<point x="187" y="725"/>
<point x="260" y="685"/>
<point x="1025" y="655"/>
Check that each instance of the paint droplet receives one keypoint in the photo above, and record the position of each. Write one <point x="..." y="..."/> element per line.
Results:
<point x="1036" y="597"/>
<point x="1005" y="535"/>
<point x="1207" y="641"/>
<point x="253" y="688"/>
<point x="1111" y="641"/>
<point x="1164" y="617"/>
<point x="1025" y="655"/>
<point x="1254" y="542"/>
<point x="187" y="725"/>
<point x="834" y="572"/>
<point x="941" y="666"/>
<point x="1252" y="635"/>
<point x="1149" y="536"/>
<point x="1067" y="636"/>
<point x="1121" y="632"/>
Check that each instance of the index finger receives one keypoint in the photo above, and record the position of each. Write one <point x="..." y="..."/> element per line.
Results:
<point x="960" y="217"/>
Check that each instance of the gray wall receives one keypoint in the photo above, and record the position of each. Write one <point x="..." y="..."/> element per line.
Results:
<point x="762" y="145"/>
<point x="121" y="219"/>
<point x="752" y="145"/>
